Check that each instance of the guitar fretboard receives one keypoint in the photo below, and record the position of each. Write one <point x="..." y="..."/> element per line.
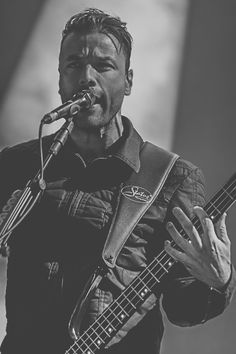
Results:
<point x="123" y="307"/>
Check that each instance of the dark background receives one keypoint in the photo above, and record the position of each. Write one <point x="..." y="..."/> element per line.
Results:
<point x="203" y="126"/>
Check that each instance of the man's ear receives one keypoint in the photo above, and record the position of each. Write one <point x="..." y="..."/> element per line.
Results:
<point x="128" y="82"/>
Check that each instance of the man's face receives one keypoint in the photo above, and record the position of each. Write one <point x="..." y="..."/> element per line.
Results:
<point x="94" y="61"/>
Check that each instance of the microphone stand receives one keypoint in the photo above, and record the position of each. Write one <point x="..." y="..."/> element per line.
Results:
<point x="21" y="202"/>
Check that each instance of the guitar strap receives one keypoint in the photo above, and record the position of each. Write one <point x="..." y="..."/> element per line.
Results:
<point x="136" y="196"/>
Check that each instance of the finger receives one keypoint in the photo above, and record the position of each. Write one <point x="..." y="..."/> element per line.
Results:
<point x="208" y="236"/>
<point x="188" y="227"/>
<point x="179" y="240"/>
<point x="175" y="254"/>
<point x="221" y="231"/>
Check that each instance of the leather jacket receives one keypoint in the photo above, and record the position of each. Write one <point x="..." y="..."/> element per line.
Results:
<point x="56" y="248"/>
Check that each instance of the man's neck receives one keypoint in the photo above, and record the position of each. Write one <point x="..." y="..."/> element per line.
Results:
<point x="94" y="143"/>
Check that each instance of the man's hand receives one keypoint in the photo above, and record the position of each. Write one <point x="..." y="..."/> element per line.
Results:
<point x="207" y="256"/>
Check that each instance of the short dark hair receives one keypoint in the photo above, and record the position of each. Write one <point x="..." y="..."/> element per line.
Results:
<point x="96" y="20"/>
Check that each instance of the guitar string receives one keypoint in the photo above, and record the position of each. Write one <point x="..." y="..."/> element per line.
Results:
<point x="165" y="254"/>
<point x="210" y="211"/>
<point x="24" y="194"/>
<point x="95" y="331"/>
<point x="103" y="330"/>
<point x="159" y="260"/>
<point x="100" y="334"/>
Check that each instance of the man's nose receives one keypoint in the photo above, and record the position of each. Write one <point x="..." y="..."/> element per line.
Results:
<point x="87" y="77"/>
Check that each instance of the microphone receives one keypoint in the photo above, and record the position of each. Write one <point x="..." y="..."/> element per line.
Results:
<point x="83" y="99"/>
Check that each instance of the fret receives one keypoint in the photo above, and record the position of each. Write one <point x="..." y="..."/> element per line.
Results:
<point x="162" y="266"/>
<point x="104" y="329"/>
<point x="71" y="349"/>
<point x="157" y="280"/>
<point x="95" y="331"/>
<point x="104" y="322"/>
<point x="87" y="349"/>
<point x="77" y="347"/>
<point x="231" y="184"/>
<point x="129" y="301"/>
<point x="215" y="208"/>
<point x="223" y="199"/>
<point x="169" y="262"/>
<point x="145" y="285"/>
<point x="95" y="344"/>
<point x="118" y="319"/>
<point x="122" y="309"/>
<point x="228" y="194"/>
<point x="98" y="340"/>
<point x="136" y="292"/>
<point x="219" y="203"/>
<point x="115" y="320"/>
<point x="116" y="316"/>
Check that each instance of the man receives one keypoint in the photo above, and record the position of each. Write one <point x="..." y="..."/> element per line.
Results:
<point x="56" y="248"/>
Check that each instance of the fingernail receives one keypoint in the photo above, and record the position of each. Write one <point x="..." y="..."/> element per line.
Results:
<point x="176" y="209"/>
<point x="169" y="225"/>
<point x="207" y="221"/>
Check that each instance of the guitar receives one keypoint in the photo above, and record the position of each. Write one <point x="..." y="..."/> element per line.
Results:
<point x="112" y="319"/>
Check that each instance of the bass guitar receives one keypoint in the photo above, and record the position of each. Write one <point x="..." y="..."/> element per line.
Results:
<point x="112" y="319"/>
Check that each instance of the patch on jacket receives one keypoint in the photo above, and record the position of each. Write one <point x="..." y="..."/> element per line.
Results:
<point x="136" y="194"/>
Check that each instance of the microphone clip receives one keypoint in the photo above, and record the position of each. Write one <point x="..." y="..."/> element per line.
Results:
<point x="83" y="99"/>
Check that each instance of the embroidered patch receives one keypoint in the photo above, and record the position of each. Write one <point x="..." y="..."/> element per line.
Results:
<point x="136" y="194"/>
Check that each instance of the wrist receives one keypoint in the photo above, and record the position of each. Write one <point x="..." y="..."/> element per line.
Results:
<point x="221" y="289"/>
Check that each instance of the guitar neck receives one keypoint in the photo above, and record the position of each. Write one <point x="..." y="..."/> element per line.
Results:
<point x="123" y="307"/>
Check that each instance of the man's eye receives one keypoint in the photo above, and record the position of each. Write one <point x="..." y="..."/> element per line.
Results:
<point x="73" y="65"/>
<point x="104" y="66"/>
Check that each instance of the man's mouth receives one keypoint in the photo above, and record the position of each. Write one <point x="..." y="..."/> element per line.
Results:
<point x="98" y="101"/>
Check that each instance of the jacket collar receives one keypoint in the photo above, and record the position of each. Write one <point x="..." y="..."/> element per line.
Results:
<point x="127" y="148"/>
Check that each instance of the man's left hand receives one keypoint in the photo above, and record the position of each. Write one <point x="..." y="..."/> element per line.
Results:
<point x="207" y="255"/>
